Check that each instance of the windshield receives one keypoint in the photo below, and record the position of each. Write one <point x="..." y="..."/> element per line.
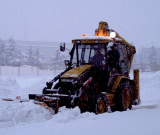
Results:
<point x="86" y="52"/>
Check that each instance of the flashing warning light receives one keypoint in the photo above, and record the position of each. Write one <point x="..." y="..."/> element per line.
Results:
<point x="84" y="35"/>
<point x="113" y="34"/>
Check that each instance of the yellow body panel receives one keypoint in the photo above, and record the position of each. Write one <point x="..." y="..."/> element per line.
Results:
<point x="117" y="82"/>
<point x="75" y="72"/>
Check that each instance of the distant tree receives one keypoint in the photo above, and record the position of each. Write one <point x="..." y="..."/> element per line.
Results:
<point x="2" y="46"/>
<point x="2" y="52"/>
<point x="34" y="56"/>
<point x="30" y="55"/>
<point x="13" y="53"/>
<point x="58" y="59"/>
<point x="153" y="59"/>
<point x="38" y="56"/>
<point x="153" y="55"/>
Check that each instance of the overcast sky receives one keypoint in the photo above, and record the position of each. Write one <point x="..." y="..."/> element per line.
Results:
<point x="138" y="21"/>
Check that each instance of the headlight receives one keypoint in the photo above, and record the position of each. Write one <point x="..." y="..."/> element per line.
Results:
<point x="113" y="34"/>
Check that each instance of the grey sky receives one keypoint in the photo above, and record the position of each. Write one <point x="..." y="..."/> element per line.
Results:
<point x="63" y="20"/>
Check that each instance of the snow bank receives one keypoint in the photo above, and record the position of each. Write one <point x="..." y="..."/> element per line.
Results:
<point x="15" y="117"/>
<point x="13" y="113"/>
<point x="8" y="87"/>
<point x="150" y="88"/>
<point x="67" y="115"/>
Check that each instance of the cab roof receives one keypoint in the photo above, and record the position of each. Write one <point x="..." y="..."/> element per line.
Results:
<point x="95" y="39"/>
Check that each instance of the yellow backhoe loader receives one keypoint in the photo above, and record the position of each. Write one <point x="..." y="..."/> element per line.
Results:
<point x="92" y="80"/>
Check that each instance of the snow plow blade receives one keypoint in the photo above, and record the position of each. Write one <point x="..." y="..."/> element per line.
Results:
<point x="45" y="106"/>
<point x="49" y="103"/>
<point x="46" y="100"/>
<point x="18" y="98"/>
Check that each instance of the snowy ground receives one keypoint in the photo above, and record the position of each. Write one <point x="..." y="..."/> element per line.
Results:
<point x="29" y="119"/>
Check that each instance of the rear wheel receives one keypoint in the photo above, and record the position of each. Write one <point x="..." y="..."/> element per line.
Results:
<point x="101" y="105"/>
<point x="125" y="96"/>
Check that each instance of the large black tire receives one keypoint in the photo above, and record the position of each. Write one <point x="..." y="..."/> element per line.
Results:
<point x="124" y="96"/>
<point x="101" y="105"/>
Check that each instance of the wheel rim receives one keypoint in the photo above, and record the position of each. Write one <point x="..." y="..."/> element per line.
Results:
<point x="126" y="98"/>
<point x="100" y="106"/>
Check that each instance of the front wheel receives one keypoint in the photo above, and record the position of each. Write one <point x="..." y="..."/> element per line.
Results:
<point x="125" y="96"/>
<point x="101" y="105"/>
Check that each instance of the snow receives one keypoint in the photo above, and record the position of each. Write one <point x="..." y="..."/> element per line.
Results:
<point x="96" y="37"/>
<point x="93" y="37"/>
<point x="29" y="119"/>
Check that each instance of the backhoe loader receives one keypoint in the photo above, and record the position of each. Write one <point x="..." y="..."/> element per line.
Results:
<point x="94" y="85"/>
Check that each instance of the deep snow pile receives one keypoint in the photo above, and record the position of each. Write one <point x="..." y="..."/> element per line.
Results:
<point x="15" y="112"/>
<point x="150" y="88"/>
<point x="15" y="117"/>
<point x="8" y="86"/>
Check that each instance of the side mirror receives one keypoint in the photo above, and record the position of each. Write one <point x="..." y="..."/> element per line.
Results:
<point x="66" y="62"/>
<point x="62" y="46"/>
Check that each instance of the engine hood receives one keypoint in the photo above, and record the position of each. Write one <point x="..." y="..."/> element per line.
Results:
<point x="76" y="72"/>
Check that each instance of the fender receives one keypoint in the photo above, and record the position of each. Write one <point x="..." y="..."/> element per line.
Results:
<point x="118" y="80"/>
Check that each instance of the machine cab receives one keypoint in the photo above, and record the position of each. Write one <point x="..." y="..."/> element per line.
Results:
<point x="83" y="53"/>
<point x="85" y="49"/>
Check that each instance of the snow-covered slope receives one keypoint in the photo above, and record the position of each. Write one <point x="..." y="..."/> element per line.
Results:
<point x="30" y="119"/>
